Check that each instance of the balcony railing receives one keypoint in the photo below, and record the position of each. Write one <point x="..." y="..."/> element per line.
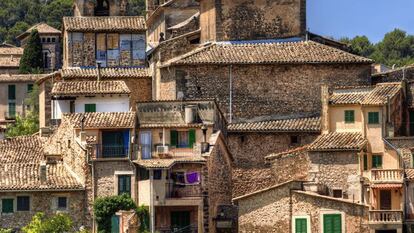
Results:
<point x="386" y="175"/>
<point x="182" y="191"/>
<point x="111" y="151"/>
<point x="385" y="216"/>
<point x="188" y="229"/>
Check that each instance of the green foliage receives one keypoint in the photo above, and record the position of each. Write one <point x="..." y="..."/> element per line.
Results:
<point x="5" y="230"/>
<point x="397" y="48"/>
<point x="31" y="60"/>
<point x="59" y="223"/>
<point x="143" y="215"/>
<point x="104" y="208"/>
<point x="30" y="123"/>
<point x="136" y="7"/>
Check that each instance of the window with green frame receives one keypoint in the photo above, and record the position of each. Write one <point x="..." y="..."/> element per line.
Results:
<point x="90" y="107"/>
<point x="182" y="139"/>
<point x="349" y="116"/>
<point x="373" y="117"/>
<point x="332" y="223"/>
<point x="365" y="162"/>
<point x="12" y="109"/>
<point x="376" y="161"/>
<point x="124" y="185"/>
<point x="12" y="92"/>
<point x="29" y="88"/>
<point x="7" y="205"/>
<point x="301" y="225"/>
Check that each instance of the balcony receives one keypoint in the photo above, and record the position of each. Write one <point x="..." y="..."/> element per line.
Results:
<point x="182" y="191"/>
<point x="387" y="175"/>
<point x="111" y="151"/>
<point x="385" y="216"/>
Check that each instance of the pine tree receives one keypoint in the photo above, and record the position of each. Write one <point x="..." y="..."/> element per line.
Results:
<point x="31" y="61"/>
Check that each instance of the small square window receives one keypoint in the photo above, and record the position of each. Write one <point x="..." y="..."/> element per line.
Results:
<point x="337" y="193"/>
<point x="62" y="203"/>
<point x="53" y="40"/>
<point x="7" y="205"/>
<point x="48" y="40"/>
<point x="23" y="203"/>
<point x="157" y="174"/>
<point x="373" y="118"/>
<point x="349" y="116"/>
<point x="294" y="139"/>
<point x="376" y="161"/>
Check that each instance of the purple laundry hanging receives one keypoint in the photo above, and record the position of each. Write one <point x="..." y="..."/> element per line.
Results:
<point x="193" y="178"/>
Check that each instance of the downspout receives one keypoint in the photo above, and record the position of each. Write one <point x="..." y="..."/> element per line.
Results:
<point x="230" y="94"/>
<point x="152" y="209"/>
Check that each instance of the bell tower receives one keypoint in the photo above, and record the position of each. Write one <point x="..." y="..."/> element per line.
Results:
<point x="100" y="7"/>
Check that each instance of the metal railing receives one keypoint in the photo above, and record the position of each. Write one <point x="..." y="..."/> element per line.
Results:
<point x="386" y="175"/>
<point x="111" y="151"/>
<point x="385" y="216"/>
<point x="181" y="191"/>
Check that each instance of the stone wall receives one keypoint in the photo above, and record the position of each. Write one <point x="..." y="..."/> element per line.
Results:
<point x="292" y="166"/>
<point x="261" y="90"/>
<point x="45" y="202"/>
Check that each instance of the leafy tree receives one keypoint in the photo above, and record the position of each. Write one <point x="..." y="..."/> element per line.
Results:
<point x="360" y="45"/>
<point x="16" y="30"/>
<point x="59" y="223"/>
<point x="5" y="230"/>
<point x="104" y="208"/>
<point x="136" y="7"/>
<point x="31" y="60"/>
<point x="396" y="48"/>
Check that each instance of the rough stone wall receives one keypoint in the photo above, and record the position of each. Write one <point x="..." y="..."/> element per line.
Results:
<point x="290" y="167"/>
<point x="337" y="170"/>
<point x="248" y="180"/>
<point x="105" y="178"/>
<point x="43" y="202"/>
<point x="395" y="76"/>
<point x="260" y="90"/>
<point x="356" y="216"/>
<point x="402" y="142"/>
<point x="141" y="90"/>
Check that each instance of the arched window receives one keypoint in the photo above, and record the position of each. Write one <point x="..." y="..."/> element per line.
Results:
<point x="102" y="8"/>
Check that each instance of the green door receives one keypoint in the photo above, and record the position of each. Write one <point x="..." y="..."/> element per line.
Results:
<point x="180" y="221"/>
<point x="301" y="225"/>
<point x="332" y="223"/>
<point x="115" y="224"/>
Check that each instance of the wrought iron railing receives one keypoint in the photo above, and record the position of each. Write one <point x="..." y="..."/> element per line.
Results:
<point x="181" y="191"/>
<point x="111" y="151"/>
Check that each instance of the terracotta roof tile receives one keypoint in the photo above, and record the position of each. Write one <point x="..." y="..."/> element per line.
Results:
<point x="311" y="124"/>
<point x="11" y="51"/>
<point x="101" y="120"/>
<point x="89" y="87"/>
<point x="12" y="62"/>
<point x="108" y="24"/>
<point x="25" y="149"/>
<point x="291" y="152"/>
<point x="267" y="53"/>
<point x="386" y="186"/>
<point x="7" y="78"/>
<point x="22" y="176"/>
<point x="42" y="28"/>
<point x="106" y="73"/>
<point x="375" y="95"/>
<point x="338" y="141"/>
<point x="409" y="173"/>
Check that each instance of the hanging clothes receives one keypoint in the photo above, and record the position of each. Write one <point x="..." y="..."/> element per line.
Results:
<point x="192" y="177"/>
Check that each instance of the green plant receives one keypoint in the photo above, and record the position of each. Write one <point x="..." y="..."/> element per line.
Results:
<point x="31" y="60"/>
<point x="104" y="208"/>
<point x="5" y="230"/>
<point x="143" y="215"/>
<point x="59" y="223"/>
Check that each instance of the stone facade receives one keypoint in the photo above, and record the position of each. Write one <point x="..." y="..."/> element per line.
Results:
<point x="249" y="20"/>
<point x="87" y="7"/>
<point x="260" y="90"/>
<point x="45" y="202"/>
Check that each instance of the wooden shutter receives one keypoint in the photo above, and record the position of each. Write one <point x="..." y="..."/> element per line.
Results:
<point x="7" y="206"/>
<point x="173" y="138"/>
<point x="12" y="92"/>
<point x="365" y="162"/>
<point x="301" y="225"/>
<point x="332" y="223"/>
<point x="191" y="137"/>
<point x="124" y="185"/>
<point x="90" y="107"/>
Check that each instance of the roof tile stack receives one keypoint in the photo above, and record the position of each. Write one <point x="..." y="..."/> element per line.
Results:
<point x="335" y="141"/>
<point x="89" y="87"/>
<point x="100" y="120"/>
<point x="311" y="124"/>
<point x="111" y="24"/>
<point x="106" y="73"/>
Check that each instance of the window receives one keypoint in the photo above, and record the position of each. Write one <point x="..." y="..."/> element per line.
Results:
<point x="62" y="203"/>
<point x="349" y="116"/>
<point x="301" y="225"/>
<point x="294" y="139"/>
<point x="23" y="203"/>
<point x="143" y="174"/>
<point x="7" y="205"/>
<point x="29" y="88"/>
<point x="90" y="107"/>
<point x="53" y="39"/>
<point x="12" y="92"/>
<point x="332" y="223"/>
<point x="157" y="174"/>
<point x="48" y="40"/>
<point x="337" y="193"/>
<point x="124" y="185"/>
<point x="376" y="161"/>
<point x="183" y="139"/>
<point x="365" y="162"/>
<point x="373" y="118"/>
<point x="12" y="109"/>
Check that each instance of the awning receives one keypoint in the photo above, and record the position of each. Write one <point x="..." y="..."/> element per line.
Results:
<point x="386" y="186"/>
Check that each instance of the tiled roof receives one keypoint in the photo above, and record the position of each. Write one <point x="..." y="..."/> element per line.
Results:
<point x="338" y="141"/>
<point x="90" y="87"/>
<point x="101" y="120"/>
<point x="7" y="78"/>
<point x="11" y="51"/>
<point x="375" y="95"/>
<point x="106" y="73"/>
<point x="291" y="152"/>
<point x="267" y="53"/>
<point x="312" y="124"/>
<point x="105" y="24"/>
<point x="386" y="186"/>
<point x="25" y="149"/>
<point x="22" y="176"/>
<point x="42" y="28"/>
<point x="167" y="163"/>
<point x="13" y="62"/>
<point x="410" y="173"/>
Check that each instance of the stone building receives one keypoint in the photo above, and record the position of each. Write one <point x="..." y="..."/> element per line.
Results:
<point x="51" y="45"/>
<point x="100" y="7"/>
<point x="10" y="58"/>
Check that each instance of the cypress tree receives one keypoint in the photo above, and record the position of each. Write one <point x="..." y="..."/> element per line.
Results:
<point x="32" y="61"/>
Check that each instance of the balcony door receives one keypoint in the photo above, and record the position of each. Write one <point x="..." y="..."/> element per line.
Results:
<point x="385" y="199"/>
<point x="145" y="141"/>
<point x="115" y="143"/>
<point x="180" y="221"/>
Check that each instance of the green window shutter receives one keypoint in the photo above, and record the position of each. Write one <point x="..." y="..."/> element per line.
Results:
<point x="7" y="205"/>
<point x="124" y="185"/>
<point x="379" y="161"/>
<point x="301" y="225"/>
<point x="349" y="116"/>
<point x="173" y="138"/>
<point x="327" y="224"/>
<point x="29" y="88"/>
<point x="90" y="107"/>
<point x="376" y="161"/>
<point x="191" y="137"/>
<point x="365" y="162"/>
<point x="332" y="223"/>
<point x="337" y="223"/>
<point x="12" y="92"/>
<point x="12" y="109"/>
<point x="373" y="118"/>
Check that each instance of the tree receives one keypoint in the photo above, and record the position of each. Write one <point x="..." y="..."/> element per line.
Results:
<point x="360" y="45"/>
<point x="136" y="7"/>
<point x="59" y="223"/>
<point x="31" y="61"/>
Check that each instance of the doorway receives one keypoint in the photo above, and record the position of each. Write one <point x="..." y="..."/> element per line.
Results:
<point x="385" y="199"/>
<point x="180" y="221"/>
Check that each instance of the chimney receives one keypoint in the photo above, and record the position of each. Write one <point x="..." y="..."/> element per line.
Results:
<point x="325" y="108"/>
<point x="43" y="172"/>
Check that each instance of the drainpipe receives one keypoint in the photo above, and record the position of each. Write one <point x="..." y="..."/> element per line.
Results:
<point x="152" y="209"/>
<point x="230" y="94"/>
